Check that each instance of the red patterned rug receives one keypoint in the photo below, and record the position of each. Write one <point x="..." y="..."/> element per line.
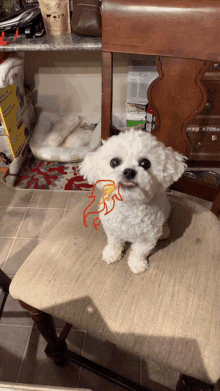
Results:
<point x="38" y="174"/>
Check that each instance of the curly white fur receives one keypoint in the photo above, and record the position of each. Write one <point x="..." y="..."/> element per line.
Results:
<point x="141" y="218"/>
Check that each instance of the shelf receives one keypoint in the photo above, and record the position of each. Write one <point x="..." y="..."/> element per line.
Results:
<point x="46" y="43"/>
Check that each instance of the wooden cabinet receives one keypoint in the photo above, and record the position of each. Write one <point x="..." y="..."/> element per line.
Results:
<point x="204" y="132"/>
<point x="212" y="106"/>
<point x="205" y="145"/>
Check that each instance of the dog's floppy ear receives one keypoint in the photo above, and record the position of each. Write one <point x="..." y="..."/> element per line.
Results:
<point x="174" y="167"/>
<point x="89" y="168"/>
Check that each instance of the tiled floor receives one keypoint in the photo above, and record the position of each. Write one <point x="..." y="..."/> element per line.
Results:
<point x="26" y="216"/>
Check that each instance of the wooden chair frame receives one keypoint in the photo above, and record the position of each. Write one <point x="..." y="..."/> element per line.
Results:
<point x="159" y="97"/>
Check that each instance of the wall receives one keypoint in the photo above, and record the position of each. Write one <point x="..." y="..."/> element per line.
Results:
<point x="71" y="81"/>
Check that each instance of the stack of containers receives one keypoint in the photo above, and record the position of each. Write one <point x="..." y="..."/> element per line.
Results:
<point x="139" y="77"/>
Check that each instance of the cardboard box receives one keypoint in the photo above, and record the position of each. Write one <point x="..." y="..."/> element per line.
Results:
<point x="16" y="121"/>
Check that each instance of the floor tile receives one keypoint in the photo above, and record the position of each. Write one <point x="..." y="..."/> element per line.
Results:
<point x="49" y="199"/>
<point x="13" y="341"/>
<point x="37" y="368"/>
<point x="107" y="355"/>
<point x="11" y="197"/>
<point x="1" y="176"/>
<point x="39" y="222"/>
<point x="10" y="220"/>
<point x="75" y="197"/>
<point x="18" y="254"/>
<point x="5" y="245"/>
<point x="158" y="377"/>
<point x="14" y="314"/>
<point x="171" y="378"/>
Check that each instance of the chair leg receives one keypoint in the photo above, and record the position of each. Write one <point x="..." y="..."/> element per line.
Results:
<point x="107" y="85"/>
<point x="4" y="281"/>
<point x="216" y="204"/>
<point x="187" y="383"/>
<point x="4" y="285"/>
<point x="56" y="348"/>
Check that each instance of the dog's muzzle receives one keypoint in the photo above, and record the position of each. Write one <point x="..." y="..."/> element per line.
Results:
<point x="128" y="175"/>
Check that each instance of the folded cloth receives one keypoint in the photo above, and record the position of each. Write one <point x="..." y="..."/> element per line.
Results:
<point x="10" y="69"/>
<point x="96" y="136"/>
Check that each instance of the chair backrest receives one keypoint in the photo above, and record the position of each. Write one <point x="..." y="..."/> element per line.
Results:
<point x="177" y="96"/>
<point x="185" y="36"/>
<point x="185" y="29"/>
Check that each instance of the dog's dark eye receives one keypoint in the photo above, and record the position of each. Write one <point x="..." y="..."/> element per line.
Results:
<point x="115" y="162"/>
<point x="145" y="163"/>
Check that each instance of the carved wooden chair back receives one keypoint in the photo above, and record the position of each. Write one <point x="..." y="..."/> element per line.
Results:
<point x="184" y="39"/>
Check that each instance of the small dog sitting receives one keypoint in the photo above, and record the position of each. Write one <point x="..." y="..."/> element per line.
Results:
<point x="143" y="168"/>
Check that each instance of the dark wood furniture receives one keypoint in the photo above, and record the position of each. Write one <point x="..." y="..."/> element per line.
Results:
<point x="185" y="51"/>
<point x="204" y="131"/>
<point x="4" y="285"/>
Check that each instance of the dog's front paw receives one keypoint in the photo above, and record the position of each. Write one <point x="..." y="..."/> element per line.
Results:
<point x="110" y="254"/>
<point x="166" y="232"/>
<point x="138" y="265"/>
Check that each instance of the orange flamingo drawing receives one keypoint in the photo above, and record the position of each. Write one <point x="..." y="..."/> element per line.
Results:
<point x="108" y="189"/>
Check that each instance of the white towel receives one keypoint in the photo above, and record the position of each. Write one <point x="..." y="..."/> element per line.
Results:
<point x="96" y="136"/>
<point x="11" y="69"/>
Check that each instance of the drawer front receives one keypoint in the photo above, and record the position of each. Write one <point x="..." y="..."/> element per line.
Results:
<point x="203" y="121"/>
<point x="204" y="142"/>
<point x="212" y="106"/>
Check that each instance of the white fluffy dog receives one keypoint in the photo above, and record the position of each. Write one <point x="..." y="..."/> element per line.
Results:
<point x="143" y="168"/>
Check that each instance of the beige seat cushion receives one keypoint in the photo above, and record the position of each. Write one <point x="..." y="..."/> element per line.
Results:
<point x="169" y="314"/>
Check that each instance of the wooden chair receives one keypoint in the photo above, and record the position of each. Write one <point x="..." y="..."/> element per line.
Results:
<point x="169" y="314"/>
<point x="184" y="39"/>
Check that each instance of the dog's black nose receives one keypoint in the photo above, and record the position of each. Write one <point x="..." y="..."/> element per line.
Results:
<point x="129" y="173"/>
